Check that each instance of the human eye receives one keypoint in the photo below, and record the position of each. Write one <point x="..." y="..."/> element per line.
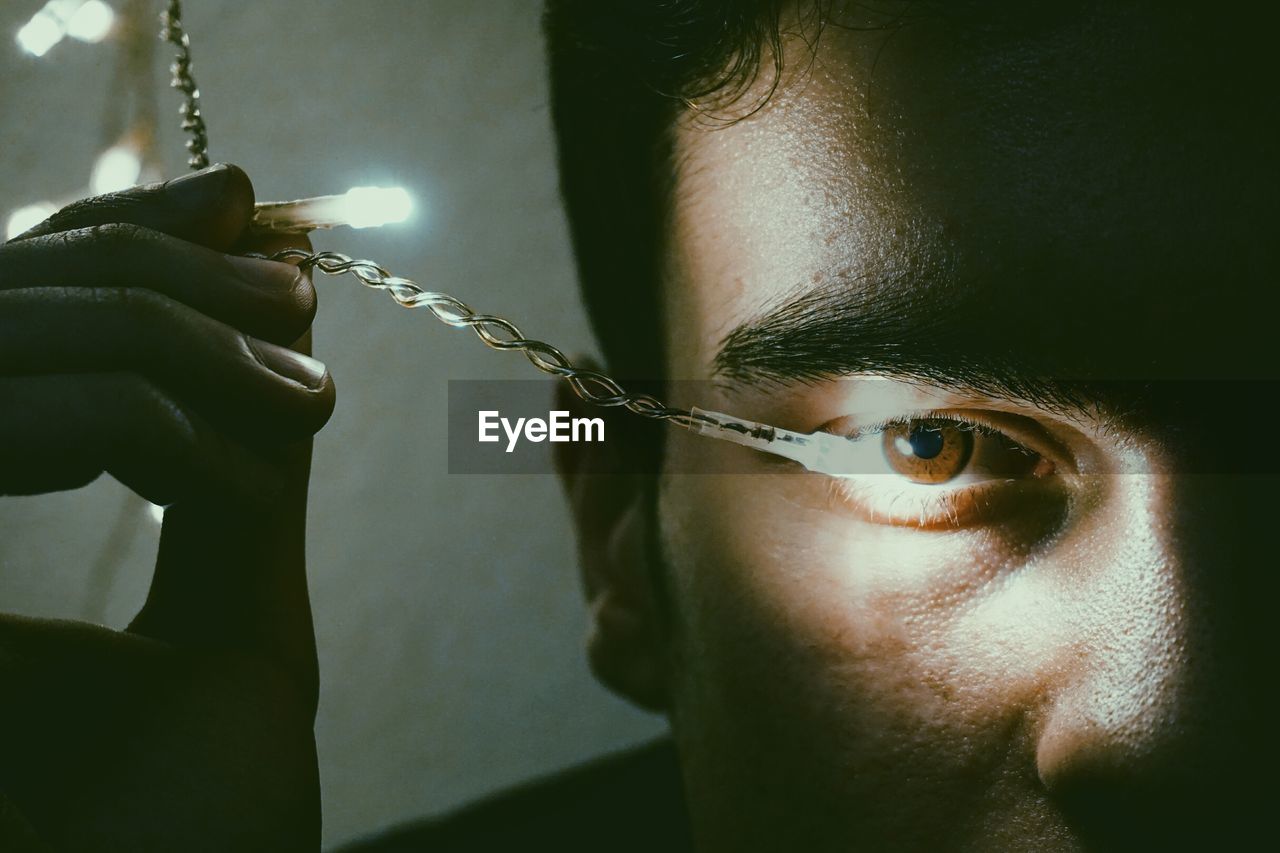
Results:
<point x="944" y="469"/>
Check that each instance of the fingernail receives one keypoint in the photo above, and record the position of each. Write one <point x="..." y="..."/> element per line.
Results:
<point x="300" y="368"/>
<point x="198" y="189"/>
<point x="269" y="275"/>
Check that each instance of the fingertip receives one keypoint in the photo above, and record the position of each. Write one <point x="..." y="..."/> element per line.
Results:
<point x="238" y="189"/>
<point x="226" y="215"/>
<point x="327" y="395"/>
<point x="305" y="301"/>
<point x="211" y="207"/>
<point x="324" y="400"/>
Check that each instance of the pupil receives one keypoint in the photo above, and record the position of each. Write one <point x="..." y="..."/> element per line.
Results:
<point x="926" y="442"/>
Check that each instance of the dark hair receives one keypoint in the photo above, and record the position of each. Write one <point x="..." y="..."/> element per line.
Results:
<point x="620" y="73"/>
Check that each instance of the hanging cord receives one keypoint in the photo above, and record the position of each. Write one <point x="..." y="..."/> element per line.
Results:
<point x="184" y="82"/>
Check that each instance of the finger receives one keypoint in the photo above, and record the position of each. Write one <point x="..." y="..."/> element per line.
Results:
<point x="211" y="208"/>
<point x="233" y="576"/>
<point x="250" y="588"/>
<point x="64" y="431"/>
<point x="255" y="389"/>
<point x="225" y="576"/>
<point x="268" y="242"/>
<point x="270" y="300"/>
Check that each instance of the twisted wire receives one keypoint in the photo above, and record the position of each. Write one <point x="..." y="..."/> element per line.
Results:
<point x="497" y="333"/>
<point x="184" y="82"/>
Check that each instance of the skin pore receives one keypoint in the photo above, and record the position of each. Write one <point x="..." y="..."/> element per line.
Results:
<point x="1067" y="661"/>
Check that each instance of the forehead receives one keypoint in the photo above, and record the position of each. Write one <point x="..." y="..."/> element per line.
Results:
<point x="1095" y="183"/>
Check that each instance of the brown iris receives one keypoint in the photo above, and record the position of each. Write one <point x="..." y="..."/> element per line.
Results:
<point x="928" y="451"/>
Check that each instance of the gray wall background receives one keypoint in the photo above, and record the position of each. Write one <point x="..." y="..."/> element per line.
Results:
<point x="447" y="610"/>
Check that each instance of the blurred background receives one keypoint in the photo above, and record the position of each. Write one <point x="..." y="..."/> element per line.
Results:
<point x="447" y="610"/>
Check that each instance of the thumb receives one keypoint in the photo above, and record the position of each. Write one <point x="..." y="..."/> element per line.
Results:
<point x="211" y="208"/>
<point x="231" y="576"/>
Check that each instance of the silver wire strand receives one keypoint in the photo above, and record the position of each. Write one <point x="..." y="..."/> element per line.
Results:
<point x="183" y="80"/>
<point x="497" y="333"/>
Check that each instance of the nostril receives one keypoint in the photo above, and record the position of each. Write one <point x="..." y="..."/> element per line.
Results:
<point x="1077" y="751"/>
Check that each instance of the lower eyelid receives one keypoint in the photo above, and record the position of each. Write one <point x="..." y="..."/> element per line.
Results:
<point x="895" y="505"/>
<point x="988" y="502"/>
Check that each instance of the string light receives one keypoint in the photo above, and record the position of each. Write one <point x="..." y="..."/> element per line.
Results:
<point x="359" y="207"/>
<point x="129" y="156"/>
<point x="117" y="168"/>
<point x="25" y="218"/>
<point x="84" y="20"/>
<point x="372" y="207"/>
<point x="92" y="22"/>
<point x="40" y="34"/>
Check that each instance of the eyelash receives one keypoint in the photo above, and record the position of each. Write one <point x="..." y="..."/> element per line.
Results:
<point x="969" y="423"/>
<point x="904" y="503"/>
<point x="944" y="507"/>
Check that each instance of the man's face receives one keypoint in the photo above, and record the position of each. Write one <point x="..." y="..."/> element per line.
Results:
<point x="1042" y="624"/>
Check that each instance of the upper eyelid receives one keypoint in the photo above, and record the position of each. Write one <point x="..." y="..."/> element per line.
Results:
<point x="879" y="426"/>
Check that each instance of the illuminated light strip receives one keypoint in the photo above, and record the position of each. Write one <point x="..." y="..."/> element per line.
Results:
<point x="359" y="207"/>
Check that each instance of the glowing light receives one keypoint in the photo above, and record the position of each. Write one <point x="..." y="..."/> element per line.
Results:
<point x="359" y="207"/>
<point x="85" y="20"/>
<point x="41" y="33"/>
<point x="156" y="512"/>
<point x="117" y="168"/>
<point x="371" y="207"/>
<point x="91" y="22"/>
<point x="27" y="217"/>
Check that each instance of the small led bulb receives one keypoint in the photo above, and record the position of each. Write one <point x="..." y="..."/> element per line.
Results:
<point x="359" y="207"/>
<point x="92" y="22"/>
<point x="372" y="207"/>
<point x="85" y="20"/>
<point x="117" y="168"/>
<point x="40" y="34"/>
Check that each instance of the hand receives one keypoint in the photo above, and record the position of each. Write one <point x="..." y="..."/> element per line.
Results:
<point x="132" y="343"/>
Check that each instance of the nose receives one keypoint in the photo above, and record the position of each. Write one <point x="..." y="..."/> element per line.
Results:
<point x="1152" y="738"/>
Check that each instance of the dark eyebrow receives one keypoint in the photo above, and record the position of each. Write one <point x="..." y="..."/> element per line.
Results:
<point x="925" y="330"/>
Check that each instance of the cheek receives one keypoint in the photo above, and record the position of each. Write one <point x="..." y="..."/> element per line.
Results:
<point x="856" y="662"/>
<point x="923" y="622"/>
